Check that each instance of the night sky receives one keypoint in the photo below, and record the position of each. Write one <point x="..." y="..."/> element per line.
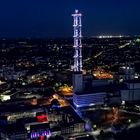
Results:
<point x="52" y="18"/>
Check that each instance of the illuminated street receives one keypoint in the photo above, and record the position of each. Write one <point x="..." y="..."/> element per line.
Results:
<point x="66" y="90"/>
<point x="99" y="73"/>
<point x="48" y="101"/>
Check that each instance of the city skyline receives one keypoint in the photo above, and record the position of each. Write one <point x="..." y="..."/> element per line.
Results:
<point x="50" y="90"/>
<point x="51" y="18"/>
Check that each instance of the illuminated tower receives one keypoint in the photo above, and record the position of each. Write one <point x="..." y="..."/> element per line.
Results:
<point x="77" y="76"/>
<point x="77" y="41"/>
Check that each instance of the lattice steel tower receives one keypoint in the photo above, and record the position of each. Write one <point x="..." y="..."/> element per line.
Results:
<point x="77" y="25"/>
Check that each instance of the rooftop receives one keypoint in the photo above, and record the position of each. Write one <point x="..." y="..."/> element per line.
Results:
<point x="10" y="109"/>
<point x="100" y="89"/>
<point x="133" y="81"/>
<point x="13" y="128"/>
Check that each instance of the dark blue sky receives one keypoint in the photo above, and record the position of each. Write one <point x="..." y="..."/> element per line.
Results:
<point x="52" y="18"/>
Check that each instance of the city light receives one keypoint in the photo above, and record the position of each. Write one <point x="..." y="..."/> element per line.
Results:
<point x="61" y="87"/>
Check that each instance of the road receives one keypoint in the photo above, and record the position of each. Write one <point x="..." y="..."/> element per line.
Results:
<point x="96" y="133"/>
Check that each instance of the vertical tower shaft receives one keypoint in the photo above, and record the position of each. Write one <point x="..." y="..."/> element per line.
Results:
<point x="77" y="75"/>
<point x="77" y="41"/>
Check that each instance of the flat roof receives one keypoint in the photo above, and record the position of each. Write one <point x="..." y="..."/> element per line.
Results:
<point x="13" y="128"/>
<point x="133" y="81"/>
<point x="11" y="109"/>
<point x="70" y="110"/>
<point x="100" y="89"/>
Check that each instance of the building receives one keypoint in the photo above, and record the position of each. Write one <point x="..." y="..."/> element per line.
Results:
<point x="71" y="123"/>
<point x="130" y="91"/>
<point x="8" y="95"/>
<point x="88" y="92"/>
<point x="95" y="96"/>
<point x="13" y="132"/>
<point x="125" y="73"/>
<point x="14" y="113"/>
<point x="98" y="95"/>
<point x="35" y="122"/>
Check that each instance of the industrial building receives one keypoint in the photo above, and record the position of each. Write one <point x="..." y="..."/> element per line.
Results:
<point x="87" y="92"/>
<point x="130" y="91"/>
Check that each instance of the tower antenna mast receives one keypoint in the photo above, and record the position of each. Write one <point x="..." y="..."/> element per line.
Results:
<point x="77" y="25"/>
